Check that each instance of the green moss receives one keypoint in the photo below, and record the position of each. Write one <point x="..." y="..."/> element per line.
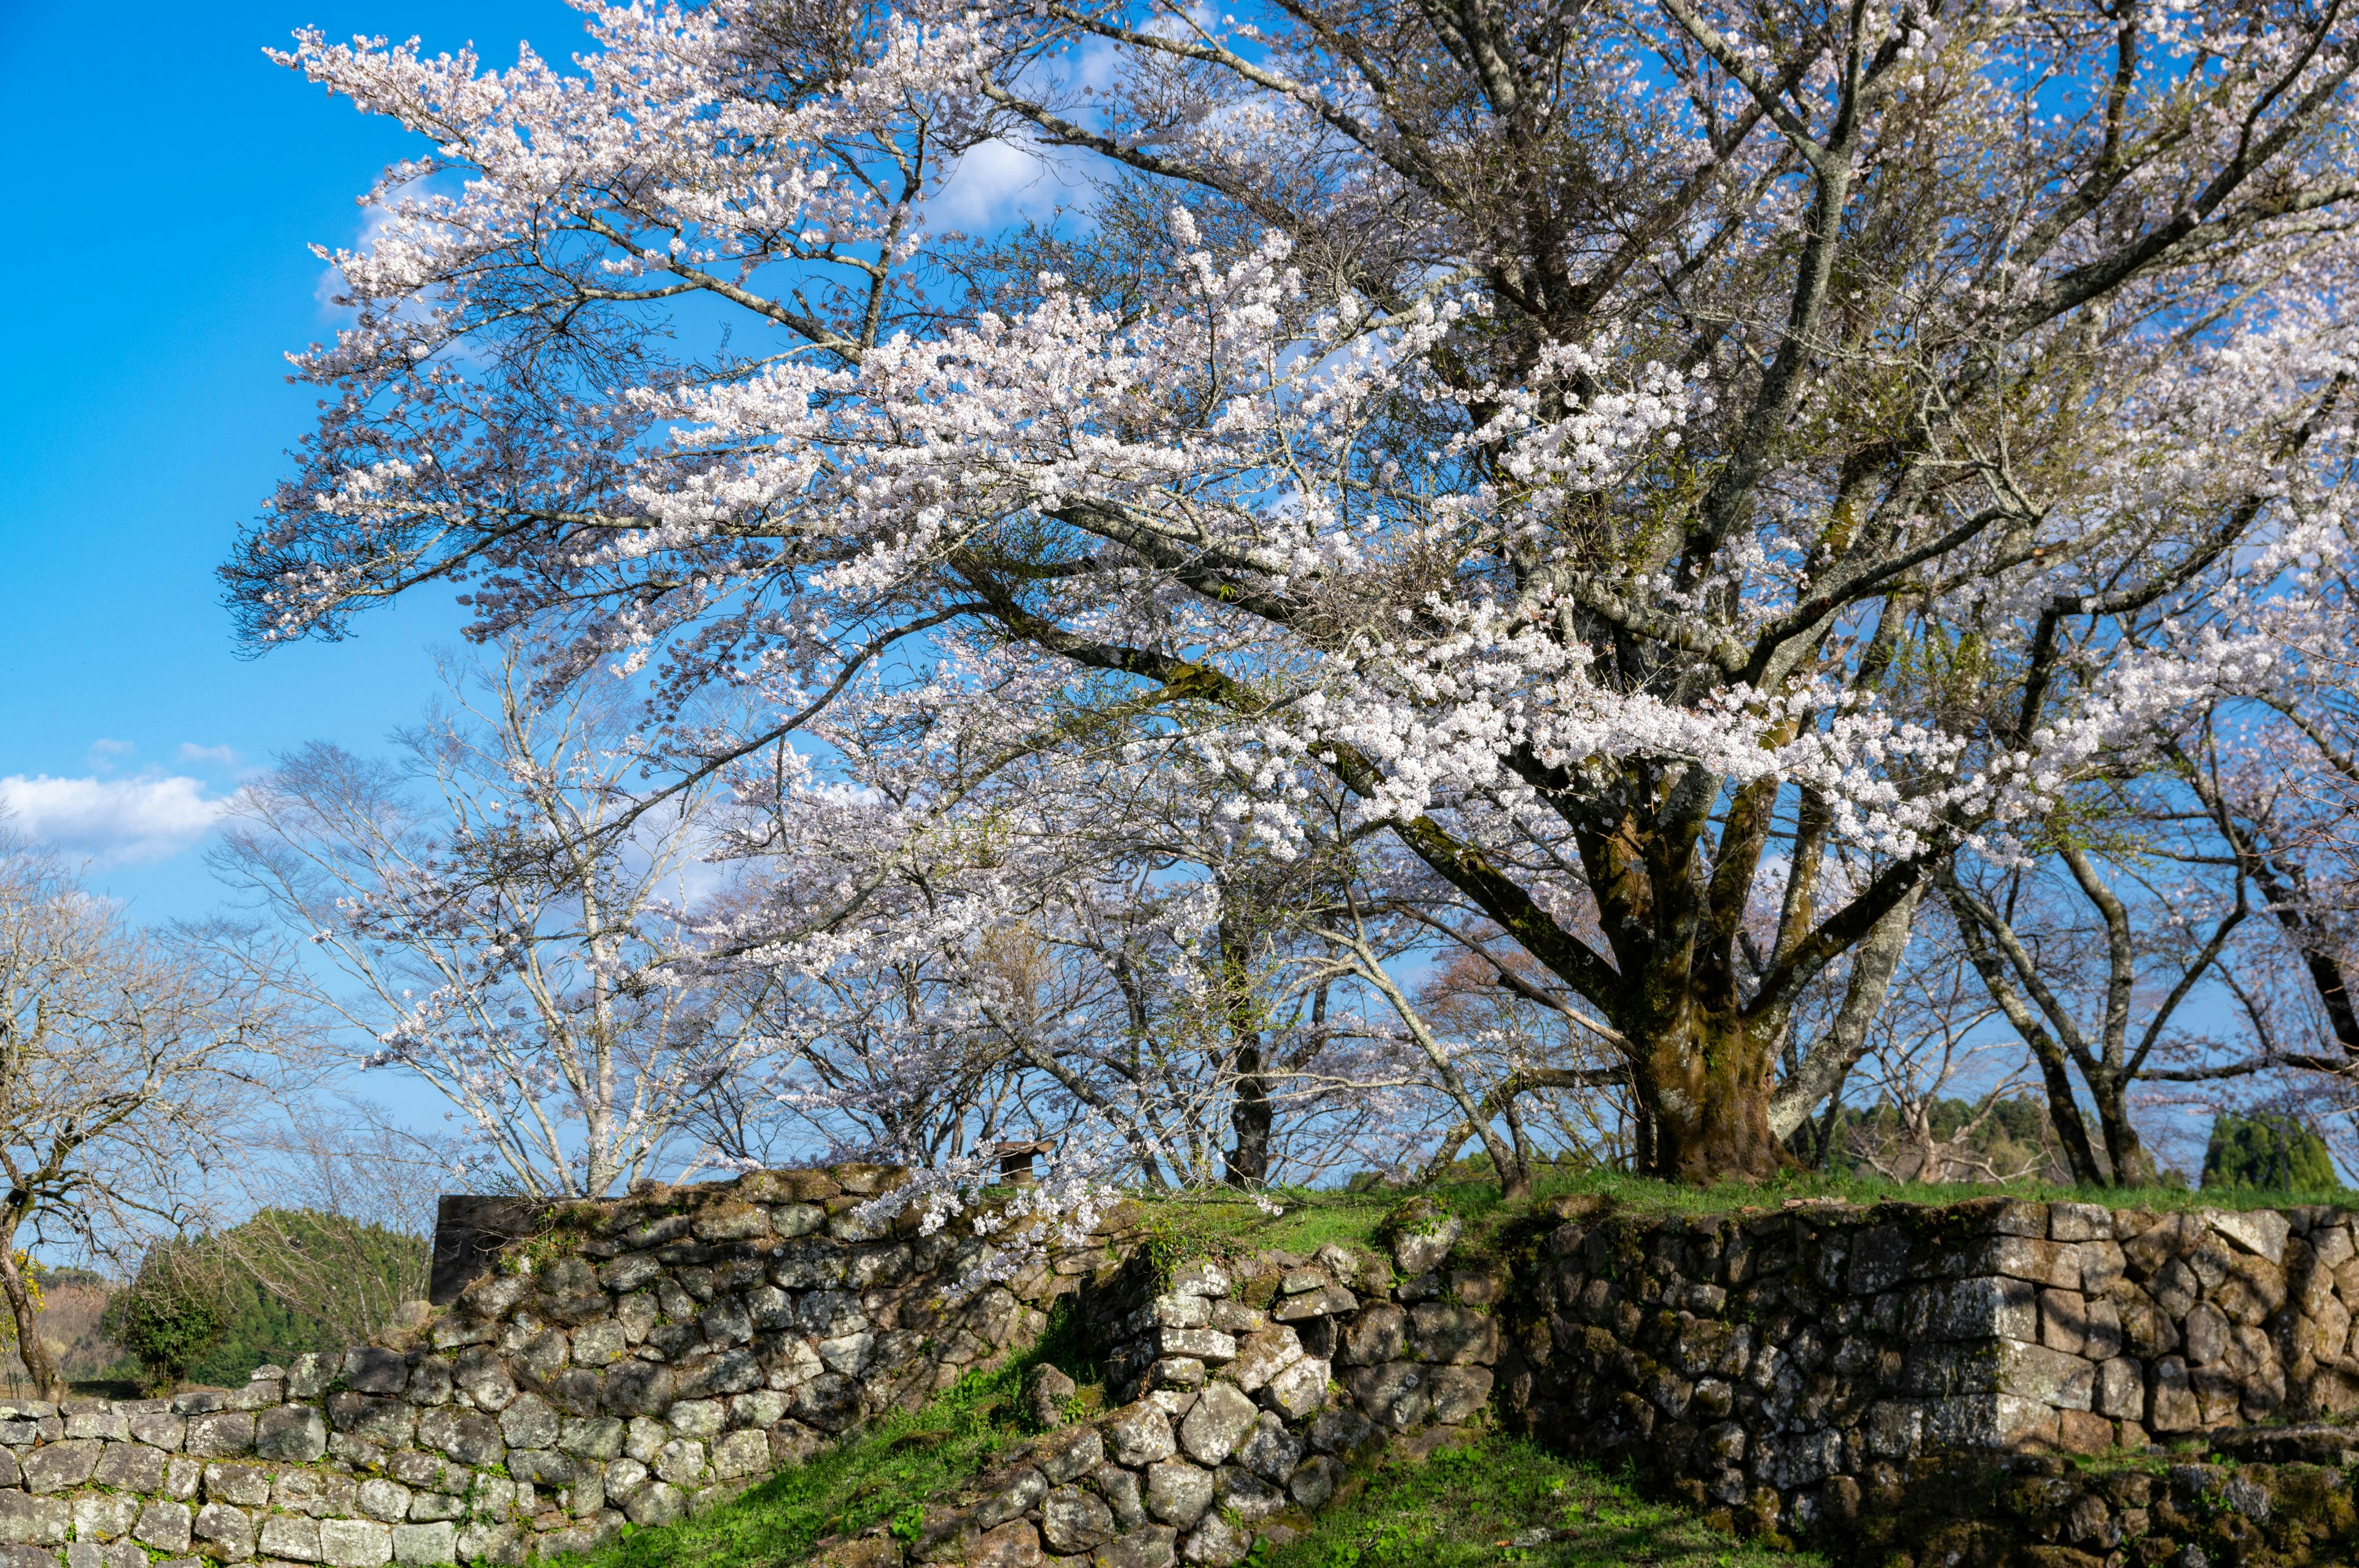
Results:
<point x="1510" y="1501"/>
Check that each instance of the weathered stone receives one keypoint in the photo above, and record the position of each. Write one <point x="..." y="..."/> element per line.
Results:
<point x="104" y="1517"/>
<point x="1394" y="1396"/>
<point x="55" y="1466"/>
<point x="369" y="1418"/>
<point x="2170" y="1398"/>
<point x="1264" y="1353"/>
<point x="2080" y="1222"/>
<point x="1139" y="1434"/>
<point x="680" y="1462"/>
<point x="1177" y="1493"/>
<point x="1459" y="1393"/>
<point x="246" y="1485"/>
<point x="355" y="1543"/>
<point x="1328" y="1301"/>
<point x="470" y="1437"/>
<point x="1153" y="1546"/>
<point x="218" y="1434"/>
<point x="1069" y="1455"/>
<point x="43" y="1521"/>
<point x="1216" y="1425"/>
<point x="1072" y="1520"/>
<point x="2120" y="1390"/>
<point x="745" y="1452"/>
<point x="296" y="1540"/>
<point x="529" y="1422"/>
<point x="1315" y="1481"/>
<point x="369" y="1369"/>
<point x="1119" y="1487"/>
<point x="1015" y="1544"/>
<point x="479" y="1373"/>
<point x="656" y="1503"/>
<point x="2206" y="1335"/>
<point x="228" y="1530"/>
<point x="1299" y="1390"/>
<point x="419" y="1545"/>
<point x="1217" y="1542"/>
<point x="638" y="1388"/>
<point x="157" y="1429"/>
<point x="164" y="1525"/>
<point x="1270" y="1450"/>
<point x="128" y="1468"/>
<point x="1977" y="1309"/>
<point x="2261" y="1231"/>
<point x="1376" y="1335"/>
<point x="1422" y="1235"/>
<point x="1458" y="1335"/>
<point x="295" y="1433"/>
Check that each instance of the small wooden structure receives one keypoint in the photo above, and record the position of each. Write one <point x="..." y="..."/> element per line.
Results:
<point x="1015" y="1161"/>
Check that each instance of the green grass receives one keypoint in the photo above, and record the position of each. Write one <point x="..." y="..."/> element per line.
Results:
<point x="1509" y="1501"/>
<point x="902" y="1459"/>
<point x="1220" y="1223"/>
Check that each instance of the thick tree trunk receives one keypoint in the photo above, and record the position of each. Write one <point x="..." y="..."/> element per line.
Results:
<point x="1251" y="1116"/>
<point x="38" y="1368"/>
<point x="1705" y="1078"/>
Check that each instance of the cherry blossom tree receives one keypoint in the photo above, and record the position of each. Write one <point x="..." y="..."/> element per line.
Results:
<point x="499" y="920"/>
<point x="1628" y="454"/>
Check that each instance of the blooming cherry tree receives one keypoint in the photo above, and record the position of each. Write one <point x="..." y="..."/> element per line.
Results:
<point x="1630" y="454"/>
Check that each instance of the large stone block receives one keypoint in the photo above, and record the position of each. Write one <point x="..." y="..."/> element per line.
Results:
<point x="422" y="1545"/>
<point x="294" y="1433"/>
<point x="164" y="1525"/>
<point x="1139" y="1434"/>
<point x="104" y="1517"/>
<point x="54" y="1466"/>
<point x="1457" y="1335"/>
<point x="1216" y="1424"/>
<point x="41" y="1521"/>
<point x="1177" y="1493"/>
<point x="371" y="1417"/>
<point x="129" y="1467"/>
<point x="296" y="1540"/>
<point x="356" y="1543"/>
<point x="1301" y="1389"/>
<point x="471" y="1437"/>
<point x="2261" y="1231"/>
<point x="1394" y="1396"/>
<point x="1459" y="1393"/>
<point x="228" y="1532"/>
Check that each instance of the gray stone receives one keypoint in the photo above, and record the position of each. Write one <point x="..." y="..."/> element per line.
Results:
<point x="1422" y="1253"/>
<point x="356" y="1543"/>
<point x="2170" y="1402"/>
<point x="2262" y="1231"/>
<point x="164" y="1525"/>
<point x="1217" y="1543"/>
<point x="422" y="1545"/>
<point x="246" y="1485"/>
<point x="89" y="1554"/>
<point x="470" y="1437"/>
<point x="36" y="1519"/>
<point x="1216" y="1425"/>
<point x="657" y="1503"/>
<point x="529" y="1422"/>
<point x="1177" y="1493"/>
<point x="295" y="1433"/>
<point x="1459" y="1393"/>
<point x="104" y="1518"/>
<point x="2207" y="1335"/>
<point x="55" y="1466"/>
<point x="1119" y="1487"/>
<point x="1070" y="1456"/>
<point x="1378" y="1334"/>
<point x="370" y="1369"/>
<point x="431" y="1508"/>
<point x="745" y="1452"/>
<point x="157" y="1429"/>
<point x="600" y="1344"/>
<point x="1299" y="1390"/>
<point x="681" y="1461"/>
<point x="1264" y="1353"/>
<point x="1455" y="1335"/>
<point x="1139" y="1434"/>
<point x="1247" y="1496"/>
<point x="2120" y="1390"/>
<point x="1331" y="1302"/>
<point x="1338" y="1431"/>
<point x="480" y="1373"/>
<point x="371" y="1417"/>
<point x="429" y="1381"/>
<point x="1007" y="1494"/>
<point x="591" y="1437"/>
<point x="100" y="1423"/>
<point x="296" y="1540"/>
<point x="381" y="1498"/>
<point x="488" y="1544"/>
<point x="1270" y="1450"/>
<point x="129" y="1467"/>
<point x="1394" y="1395"/>
<point x="1071" y="1520"/>
<point x="1315" y="1482"/>
<point x="229" y="1530"/>
<point x="1155" y="1546"/>
<point x="541" y="1467"/>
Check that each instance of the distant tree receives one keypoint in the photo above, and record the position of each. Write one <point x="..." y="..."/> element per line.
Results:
<point x="2265" y="1149"/>
<point x="131" y="1062"/>
<point x="171" y="1315"/>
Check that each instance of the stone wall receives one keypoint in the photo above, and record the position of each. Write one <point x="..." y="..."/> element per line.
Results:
<point x="1246" y="1389"/>
<point x="628" y="1360"/>
<point x="1786" y="1370"/>
<point x="1842" y="1373"/>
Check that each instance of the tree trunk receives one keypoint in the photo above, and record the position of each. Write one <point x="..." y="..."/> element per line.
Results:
<point x="1705" y="1077"/>
<point x="36" y="1355"/>
<point x="1251" y="1114"/>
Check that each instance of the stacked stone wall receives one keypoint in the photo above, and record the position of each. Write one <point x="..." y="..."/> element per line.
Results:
<point x="1787" y="1370"/>
<point x="629" y="1360"/>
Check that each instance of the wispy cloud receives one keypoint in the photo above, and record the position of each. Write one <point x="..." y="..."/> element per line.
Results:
<point x="116" y="820"/>
<point x="208" y="756"/>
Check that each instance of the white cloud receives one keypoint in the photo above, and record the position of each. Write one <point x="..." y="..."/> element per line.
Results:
<point x="216" y="756"/>
<point x="106" y="756"/>
<point x="996" y="182"/>
<point x="117" y="820"/>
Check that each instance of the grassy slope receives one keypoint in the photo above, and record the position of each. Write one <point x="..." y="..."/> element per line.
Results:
<point x="879" y="1475"/>
<point x="1216" y="1221"/>
<point x="1509" y="1501"/>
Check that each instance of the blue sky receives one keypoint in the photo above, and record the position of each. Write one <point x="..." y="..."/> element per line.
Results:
<point x="175" y="177"/>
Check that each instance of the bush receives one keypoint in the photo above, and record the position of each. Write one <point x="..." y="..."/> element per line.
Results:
<point x="169" y="1317"/>
<point x="2265" y="1150"/>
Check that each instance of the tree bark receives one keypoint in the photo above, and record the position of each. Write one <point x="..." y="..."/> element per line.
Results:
<point x="1706" y="1079"/>
<point x="36" y="1355"/>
